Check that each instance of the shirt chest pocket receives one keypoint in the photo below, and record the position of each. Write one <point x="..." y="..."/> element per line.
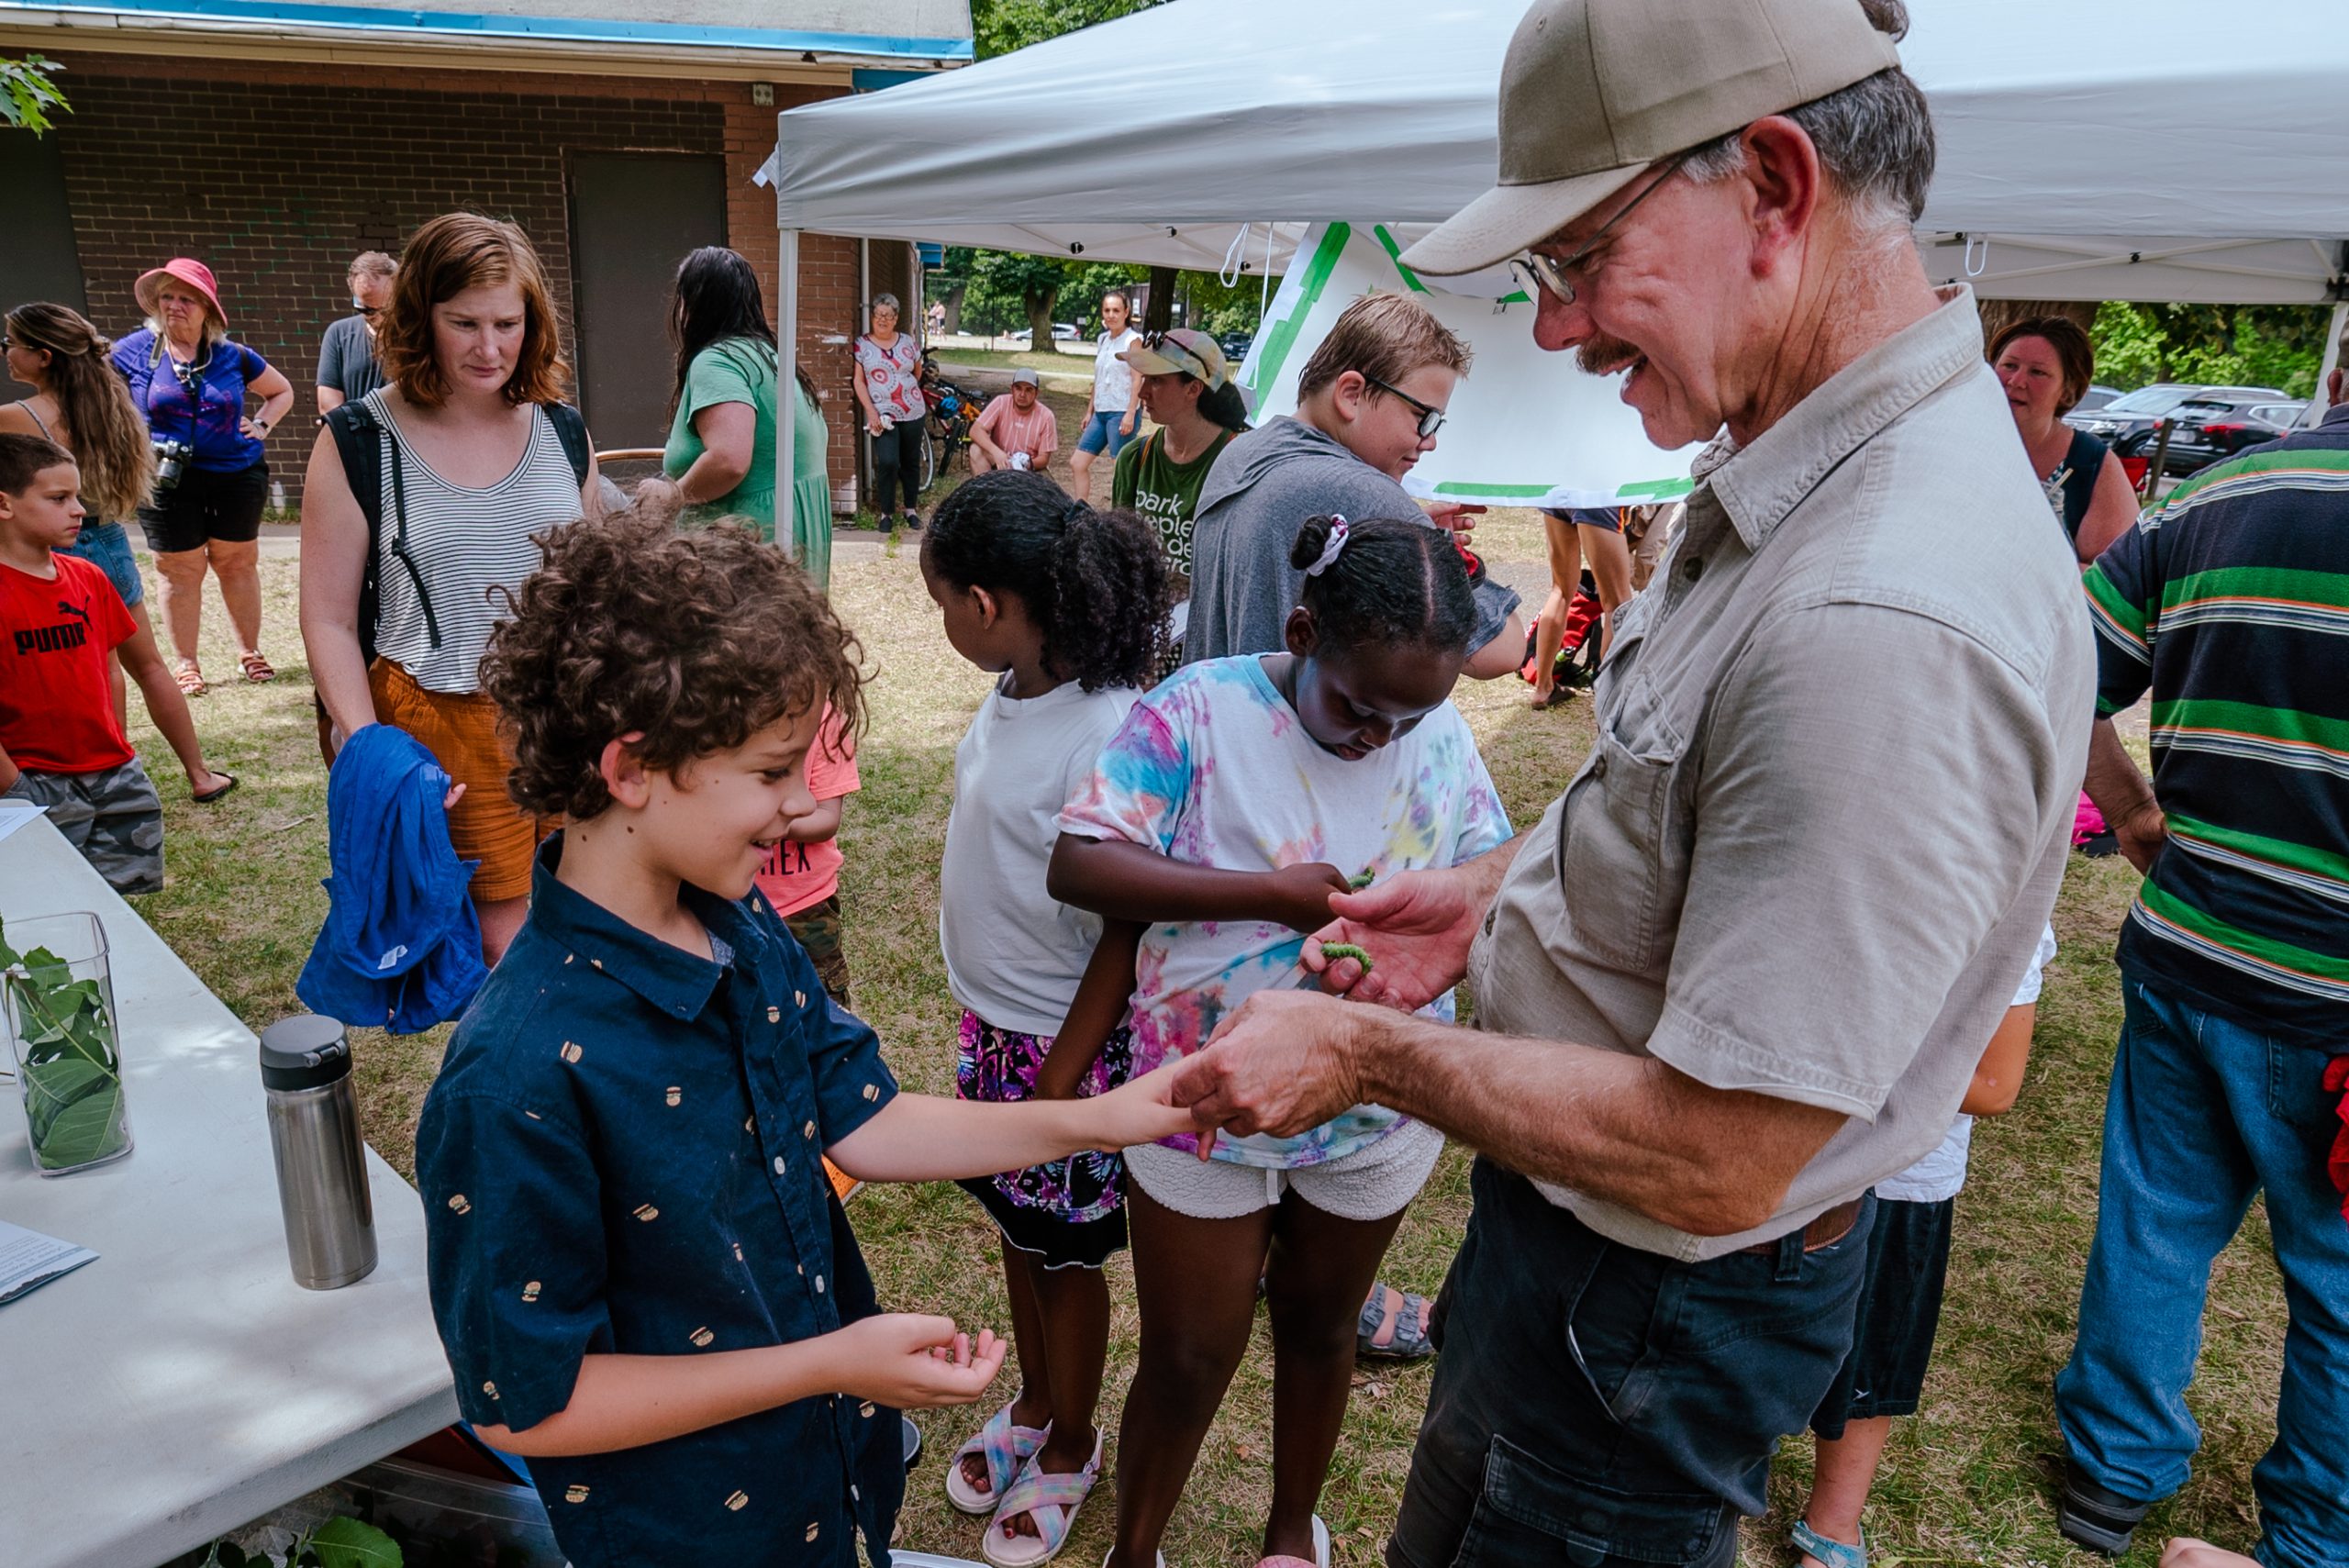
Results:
<point x="1623" y="854"/>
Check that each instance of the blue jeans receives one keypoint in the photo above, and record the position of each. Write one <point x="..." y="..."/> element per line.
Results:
<point x="1597" y="1406"/>
<point x="1101" y="431"/>
<point x="2204" y="1113"/>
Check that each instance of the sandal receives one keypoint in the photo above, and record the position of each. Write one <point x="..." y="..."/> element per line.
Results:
<point x="189" y="677"/>
<point x="1833" y="1553"/>
<point x="209" y="795"/>
<point x="1051" y="1501"/>
<point x="1408" y="1339"/>
<point x="1007" y="1448"/>
<point x="1320" y="1551"/>
<point x="256" y="667"/>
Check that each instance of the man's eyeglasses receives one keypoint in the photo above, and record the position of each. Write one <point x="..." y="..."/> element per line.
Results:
<point x="1557" y="275"/>
<point x="1431" y="417"/>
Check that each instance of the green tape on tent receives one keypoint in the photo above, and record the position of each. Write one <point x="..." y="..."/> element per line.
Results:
<point x="1656" y="490"/>
<point x="1284" y="331"/>
<point x="1394" y="254"/>
<point x="1465" y="488"/>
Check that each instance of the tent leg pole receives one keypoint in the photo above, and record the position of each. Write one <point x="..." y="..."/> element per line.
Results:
<point x="787" y="400"/>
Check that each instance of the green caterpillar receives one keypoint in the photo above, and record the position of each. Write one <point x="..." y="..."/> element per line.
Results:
<point x="1336" y="951"/>
<point x="1365" y="879"/>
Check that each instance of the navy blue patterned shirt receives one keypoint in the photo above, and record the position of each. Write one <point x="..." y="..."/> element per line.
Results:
<point x="622" y="1155"/>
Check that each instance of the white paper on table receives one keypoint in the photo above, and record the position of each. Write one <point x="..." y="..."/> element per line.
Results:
<point x="15" y="814"/>
<point x="29" y="1259"/>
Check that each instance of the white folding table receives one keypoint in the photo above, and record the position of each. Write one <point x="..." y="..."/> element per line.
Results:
<point x="183" y="1384"/>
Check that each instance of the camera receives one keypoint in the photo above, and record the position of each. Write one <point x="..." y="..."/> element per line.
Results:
<point x="171" y="461"/>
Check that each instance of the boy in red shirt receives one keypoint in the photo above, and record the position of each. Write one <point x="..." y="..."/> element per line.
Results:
<point x="60" y="744"/>
<point x="801" y="875"/>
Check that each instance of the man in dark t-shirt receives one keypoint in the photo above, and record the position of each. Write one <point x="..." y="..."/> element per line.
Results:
<point x="347" y="367"/>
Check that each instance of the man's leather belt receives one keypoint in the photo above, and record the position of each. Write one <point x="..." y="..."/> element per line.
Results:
<point x="1824" y="1231"/>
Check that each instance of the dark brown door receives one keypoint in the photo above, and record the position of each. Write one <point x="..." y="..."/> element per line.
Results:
<point x="633" y="217"/>
<point x="37" y="259"/>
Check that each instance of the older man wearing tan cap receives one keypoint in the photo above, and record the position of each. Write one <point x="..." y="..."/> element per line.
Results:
<point x="1745" y="965"/>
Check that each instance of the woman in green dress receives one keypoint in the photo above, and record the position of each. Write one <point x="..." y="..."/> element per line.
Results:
<point x="811" y="486"/>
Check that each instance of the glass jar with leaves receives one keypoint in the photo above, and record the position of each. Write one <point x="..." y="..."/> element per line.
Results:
<point x="66" y="1054"/>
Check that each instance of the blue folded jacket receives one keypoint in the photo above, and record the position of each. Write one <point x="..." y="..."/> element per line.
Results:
<point x="401" y="947"/>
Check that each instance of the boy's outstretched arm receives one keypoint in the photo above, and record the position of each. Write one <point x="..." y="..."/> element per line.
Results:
<point x="923" y="1138"/>
<point x="901" y="1359"/>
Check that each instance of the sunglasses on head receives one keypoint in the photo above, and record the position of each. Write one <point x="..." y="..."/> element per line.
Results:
<point x="1554" y="274"/>
<point x="1431" y="417"/>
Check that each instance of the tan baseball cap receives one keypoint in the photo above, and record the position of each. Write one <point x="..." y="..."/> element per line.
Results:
<point x="1595" y="91"/>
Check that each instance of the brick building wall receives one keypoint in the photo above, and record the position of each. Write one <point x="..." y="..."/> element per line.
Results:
<point x="274" y="174"/>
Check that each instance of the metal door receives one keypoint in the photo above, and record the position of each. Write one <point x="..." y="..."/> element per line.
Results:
<point x="633" y="217"/>
<point x="39" y="261"/>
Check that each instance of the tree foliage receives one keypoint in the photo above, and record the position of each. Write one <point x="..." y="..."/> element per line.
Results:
<point x="1001" y="25"/>
<point x="2241" y="345"/>
<point x="26" y="93"/>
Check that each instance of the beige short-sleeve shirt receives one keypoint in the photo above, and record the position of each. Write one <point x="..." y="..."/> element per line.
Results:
<point x="1840" y="739"/>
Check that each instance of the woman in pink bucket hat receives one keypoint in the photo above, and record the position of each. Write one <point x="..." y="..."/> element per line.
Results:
<point x="191" y="384"/>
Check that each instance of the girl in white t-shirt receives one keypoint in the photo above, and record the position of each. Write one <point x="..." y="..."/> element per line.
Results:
<point x="1235" y="799"/>
<point x="1068" y="607"/>
<point x="1111" y="410"/>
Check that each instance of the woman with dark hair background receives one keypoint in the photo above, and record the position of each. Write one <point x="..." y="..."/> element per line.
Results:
<point x="1187" y="390"/>
<point x="2046" y="364"/>
<point x="720" y="456"/>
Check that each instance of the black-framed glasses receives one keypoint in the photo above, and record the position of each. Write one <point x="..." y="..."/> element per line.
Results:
<point x="1431" y="417"/>
<point x="1555" y="275"/>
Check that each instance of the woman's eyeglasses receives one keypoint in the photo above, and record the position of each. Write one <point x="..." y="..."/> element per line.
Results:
<point x="1557" y="275"/>
<point x="1431" y="416"/>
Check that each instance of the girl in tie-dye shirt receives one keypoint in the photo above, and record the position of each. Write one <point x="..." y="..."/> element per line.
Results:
<point x="1231" y="803"/>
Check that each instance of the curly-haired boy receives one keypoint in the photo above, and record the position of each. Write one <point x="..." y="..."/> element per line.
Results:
<point x="641" y="1276"/>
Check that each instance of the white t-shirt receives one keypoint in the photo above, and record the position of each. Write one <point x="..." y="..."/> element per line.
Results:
<point x="1013" y="955"/>
<point x="1214" y="768"/>
<point x="1113" y="379"/>
<point x="1940" y="1175"/>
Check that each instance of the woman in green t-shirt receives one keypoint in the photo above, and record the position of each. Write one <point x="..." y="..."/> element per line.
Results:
<point x="721" y="455"/>
<point x="1187" y="390"/>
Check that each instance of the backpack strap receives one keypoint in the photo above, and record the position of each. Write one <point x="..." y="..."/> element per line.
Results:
<point x="570" y="429"/>
<point x="361" y="439"/>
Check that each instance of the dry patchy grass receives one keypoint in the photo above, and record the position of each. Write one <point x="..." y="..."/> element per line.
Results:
<point x="1967" y="1480"/>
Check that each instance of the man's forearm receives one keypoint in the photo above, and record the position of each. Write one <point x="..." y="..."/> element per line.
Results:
<point x="1626" y="1128"/>
<point x="2114" y="781"/>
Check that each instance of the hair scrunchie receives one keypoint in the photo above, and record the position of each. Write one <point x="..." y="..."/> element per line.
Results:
<point x="1329" y="556"/>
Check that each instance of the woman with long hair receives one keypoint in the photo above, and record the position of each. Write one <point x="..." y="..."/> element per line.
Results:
<point x="193" y="385"/>
<point x="720" y="458"/>
<point x="79" y="402"/>
<point x="476" y="453"/>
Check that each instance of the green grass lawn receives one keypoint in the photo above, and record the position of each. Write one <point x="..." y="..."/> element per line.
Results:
<point x="1967" y="1481"/>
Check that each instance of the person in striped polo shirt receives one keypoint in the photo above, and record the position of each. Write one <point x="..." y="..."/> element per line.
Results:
<point x="2229" y="603"/>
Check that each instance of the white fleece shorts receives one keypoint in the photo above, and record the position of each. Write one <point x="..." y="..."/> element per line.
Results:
<point x="1369" y="1184"/>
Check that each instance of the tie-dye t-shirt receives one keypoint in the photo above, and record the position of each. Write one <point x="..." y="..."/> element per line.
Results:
<point x="1214" y="768"/>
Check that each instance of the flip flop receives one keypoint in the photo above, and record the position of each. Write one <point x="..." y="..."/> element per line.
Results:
<point x="1833" y="1553"/>
<point x="1051" y="1501"/>
<point x="1410" y="1342"/>
<point x="209" y="796"/>
<point x="1320" y="1551"/>
<point x="1007" y="1448"/>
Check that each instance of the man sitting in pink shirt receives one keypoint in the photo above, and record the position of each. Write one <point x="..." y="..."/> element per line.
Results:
<point x="1015" y="429"/>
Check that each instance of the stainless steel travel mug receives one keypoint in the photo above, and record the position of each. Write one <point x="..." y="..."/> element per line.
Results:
<point x="321" y="1164"/>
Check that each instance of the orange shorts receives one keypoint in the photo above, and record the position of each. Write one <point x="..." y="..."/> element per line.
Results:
<point x="461" y="731"/>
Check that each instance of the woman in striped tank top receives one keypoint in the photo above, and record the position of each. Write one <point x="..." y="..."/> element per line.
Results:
<point x="470" y="414"/>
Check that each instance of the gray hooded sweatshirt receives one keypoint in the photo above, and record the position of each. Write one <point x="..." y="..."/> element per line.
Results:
<point x="1257" y="495"/>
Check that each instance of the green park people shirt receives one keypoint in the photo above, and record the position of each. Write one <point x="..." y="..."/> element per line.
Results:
<point x="1164" y="491"/>
<point x="734" y="370"/>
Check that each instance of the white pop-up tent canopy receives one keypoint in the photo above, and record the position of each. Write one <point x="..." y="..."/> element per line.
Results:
<point x="2154" y="149"/>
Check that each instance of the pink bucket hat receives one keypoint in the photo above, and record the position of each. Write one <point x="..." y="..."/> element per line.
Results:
<point x="194" y="273"/>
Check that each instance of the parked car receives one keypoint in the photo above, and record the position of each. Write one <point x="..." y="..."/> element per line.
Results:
<point x="2130" y="425"/>
<point x="1062" y="332"/>
<point x="2095" y="397"/>
<point x="2205" y="431"/>
<point x="1235" y="345"/>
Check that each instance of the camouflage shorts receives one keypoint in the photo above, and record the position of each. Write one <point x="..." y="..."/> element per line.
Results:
<point x="113" y="816"/>
<point x="818" y="927"/>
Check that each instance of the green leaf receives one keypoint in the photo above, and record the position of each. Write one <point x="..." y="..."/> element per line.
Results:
<point x="347" y="1544"/>
<point x="89" y="1130"/>
<point x="51" y="1087"/>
